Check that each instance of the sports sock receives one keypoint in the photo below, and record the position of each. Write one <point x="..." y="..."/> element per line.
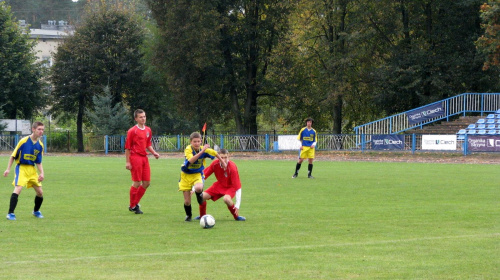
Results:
<point x="140" y="193"/>
<point x="187" y="208"/>
<point x="310" y="168"/>
<point x="13" y="202"/>
<point x="133" y="193"/>
<point x="38" y="203"/>
<point x="203" y="209"/>
<point x="232" y="209"/>
<point x="297" y="167"/>
<point x="199" y="197"/>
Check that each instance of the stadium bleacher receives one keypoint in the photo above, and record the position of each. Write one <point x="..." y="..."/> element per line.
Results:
<point x="484" y="126"/>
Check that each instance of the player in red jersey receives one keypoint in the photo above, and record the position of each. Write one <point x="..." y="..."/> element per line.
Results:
<point x="138" y="141"/>
<point x="227" y="186"/>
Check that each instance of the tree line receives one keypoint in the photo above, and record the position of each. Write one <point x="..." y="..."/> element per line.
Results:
<point x="253" y="65"/>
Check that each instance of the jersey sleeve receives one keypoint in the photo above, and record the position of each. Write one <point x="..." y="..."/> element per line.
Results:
<point x="130" y="139"/>
<point x="299" y="137"/>
<point x="40" y="154"/>
<point x="148" y="144"/>
<point x="210" y="169"/>
<point x="234" y="175"/>
<point x="211" y="152"/>
<point x="188" y="152"/>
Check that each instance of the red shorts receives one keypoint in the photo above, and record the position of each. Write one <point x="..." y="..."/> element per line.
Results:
<point x="217" y="191"/>
<point x="140" y="168"/>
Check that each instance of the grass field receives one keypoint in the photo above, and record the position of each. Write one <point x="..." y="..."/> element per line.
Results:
<point x="356" y="220"/>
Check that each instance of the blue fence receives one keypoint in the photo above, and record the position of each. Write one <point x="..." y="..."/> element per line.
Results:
<point x="411" y="143"/>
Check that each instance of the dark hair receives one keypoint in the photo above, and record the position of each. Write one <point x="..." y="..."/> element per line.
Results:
<point x="223" y="152"/>
<point x="36" y="124"/>
<point x="309" y="119"/>
<point x="137" y="112"/>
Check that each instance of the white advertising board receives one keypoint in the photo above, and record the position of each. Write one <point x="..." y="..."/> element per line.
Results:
<point x="22" y="125"/>
<point x="439" y="142"/>
<point x="288" y="142"/>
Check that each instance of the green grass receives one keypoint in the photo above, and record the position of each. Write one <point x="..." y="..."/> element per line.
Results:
<point x="356" y="220"/>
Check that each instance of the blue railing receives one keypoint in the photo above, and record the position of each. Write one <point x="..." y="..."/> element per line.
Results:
<point x="461" y="104"/>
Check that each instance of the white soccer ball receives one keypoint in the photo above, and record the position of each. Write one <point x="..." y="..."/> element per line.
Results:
<point x="207" y="221"/>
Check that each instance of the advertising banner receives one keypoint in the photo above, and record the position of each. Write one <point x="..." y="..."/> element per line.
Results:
<point x="288" y="142"/>
<point x="439" y="142"/>
<point x="483" y="143"/>
<point x="425" y="113"/>
<point x="388" y="142"/>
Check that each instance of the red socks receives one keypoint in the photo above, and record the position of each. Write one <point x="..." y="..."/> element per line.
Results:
<point x="232" y="209"/>
<point x="136" y="195"/>
<point x="203" y="209"/>
<point x="133" y="193"/>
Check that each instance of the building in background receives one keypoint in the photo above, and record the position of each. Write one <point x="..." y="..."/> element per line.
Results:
<point x="48" y="38"/>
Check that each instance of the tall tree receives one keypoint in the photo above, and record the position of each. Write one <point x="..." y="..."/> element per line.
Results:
<point x="104" y="51"/>
<point x="489" y="42"/>
<point x="218" y="52"/>
<point x="20" y="75"/>
<point x="434" y="56"/>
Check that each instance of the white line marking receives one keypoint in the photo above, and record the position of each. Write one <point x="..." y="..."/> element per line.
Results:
<point x="240" y="250"/>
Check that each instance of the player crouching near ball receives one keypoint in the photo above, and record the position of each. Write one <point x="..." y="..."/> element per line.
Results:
<point x="192" y="171"/>
<point x="27" y="154"/>
<point x="228" y="185"/>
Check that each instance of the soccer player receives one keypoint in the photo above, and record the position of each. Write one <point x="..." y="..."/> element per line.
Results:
<point x="307" y="137"/>
<point x="227" y="186"/>
<point x="27" y="154"/>
<point x="192" y="171"/>
<point x="138" y="141"/>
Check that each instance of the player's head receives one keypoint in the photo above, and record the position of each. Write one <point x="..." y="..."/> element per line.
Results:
<point x="224" y="155"/>
<point x="195" y="139"/>
<point x="37" y="128"/>
<point x="309" y="120"/>
<point x="140" y="116"/>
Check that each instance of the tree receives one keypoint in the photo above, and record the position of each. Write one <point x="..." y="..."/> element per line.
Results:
<point x="104" y="51"/>
<point x="106" y="118"/>
<point x="216" y="55"/>
<point x="20" y="75"/>
<point x="489" y="42"/>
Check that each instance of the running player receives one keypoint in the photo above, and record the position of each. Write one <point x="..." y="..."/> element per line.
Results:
<point x="192" y="171"/>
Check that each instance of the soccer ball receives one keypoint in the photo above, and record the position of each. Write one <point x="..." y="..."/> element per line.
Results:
<point x="207" y="221"/>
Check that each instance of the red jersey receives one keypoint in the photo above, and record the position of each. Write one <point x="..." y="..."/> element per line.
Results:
<point x="138" y="140"/>
<point x="228" y="178"/>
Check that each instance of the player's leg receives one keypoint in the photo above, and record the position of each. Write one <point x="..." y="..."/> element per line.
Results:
<point x="145" y="178"/>
<point x="198" y="191"/>
<point x="310" y="166"/>
<point x="297" y="167"/>
<point x="38" y="201"/>
<point x="203" y="207"/>
<point x="187" y="205"/>
<point x="232" y="208"/>
<point x="13" y="202"/>
<point x="136" y="174"/>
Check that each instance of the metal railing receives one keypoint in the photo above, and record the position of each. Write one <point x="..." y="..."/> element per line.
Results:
<point x="461" y="104"/>
<point x="269" y="143"/>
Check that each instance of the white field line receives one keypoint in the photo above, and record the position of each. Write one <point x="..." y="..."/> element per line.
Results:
<point x="242" y="250"/>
